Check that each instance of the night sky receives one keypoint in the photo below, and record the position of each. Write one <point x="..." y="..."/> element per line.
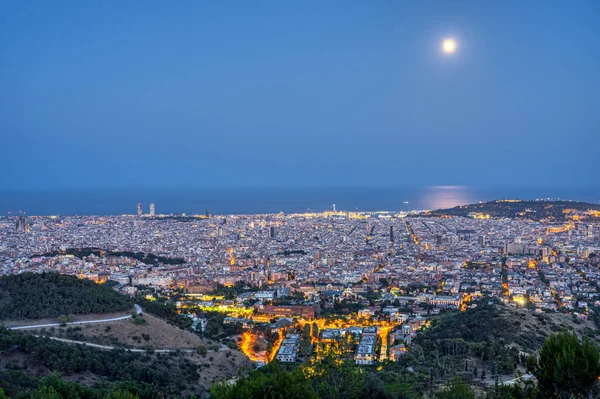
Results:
<point x="100" y="94"/>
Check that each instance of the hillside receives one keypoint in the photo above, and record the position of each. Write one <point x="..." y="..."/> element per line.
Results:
<point x="24" y="356"/>
<point x="140" y="333"/>
<point x="487" y="338"/>
<point x="35" y="296"/>
<point x="191" y="364"/>
<point x="531" y="210"/>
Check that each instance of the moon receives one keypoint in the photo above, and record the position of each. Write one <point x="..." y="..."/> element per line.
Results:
<point x="449" y="46"/>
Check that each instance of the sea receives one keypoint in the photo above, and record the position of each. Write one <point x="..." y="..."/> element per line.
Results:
<point x="221" y="201"/>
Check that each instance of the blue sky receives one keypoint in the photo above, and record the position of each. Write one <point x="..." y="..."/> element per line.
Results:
<point x="298" y="93"/>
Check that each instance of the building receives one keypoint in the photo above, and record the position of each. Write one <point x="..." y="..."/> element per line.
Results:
<point x="397" y="351"/>
<point x="306" y="312"/>
<point x="22" y="225"/>
<point x="391" y="233"/>
<point x="139" y="209"/>
<point x="365" y="352"/>
<point x="272" y="232"/>
<point x="482" y="241"/>
<point x="152" y="209"/>
<point x="289" y="348"/>
<point x="265" y="295"/>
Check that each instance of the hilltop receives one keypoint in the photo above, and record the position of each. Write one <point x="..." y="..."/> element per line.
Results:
<point x="516" y="209"/>
<point x="46" y="295"/>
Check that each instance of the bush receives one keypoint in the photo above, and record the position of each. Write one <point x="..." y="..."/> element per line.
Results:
<point x="201" y="349"/>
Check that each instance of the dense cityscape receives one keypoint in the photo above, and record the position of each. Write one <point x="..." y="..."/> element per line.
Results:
<point x="316" y="278"/>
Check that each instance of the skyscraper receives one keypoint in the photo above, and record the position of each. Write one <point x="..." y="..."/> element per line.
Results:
<point x="139" y="209"/>
<point x="391" y="233"/>
<point x="482" y="241"/>
<point x="272" y="232"/>
<point x="152" y="210"/>
<point x="22" y="225"/>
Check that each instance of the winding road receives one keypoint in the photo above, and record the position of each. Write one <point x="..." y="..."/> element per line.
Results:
<point x="138" y="310"/>
<point x="70" y="323"/>
<point x="70" y="341"/>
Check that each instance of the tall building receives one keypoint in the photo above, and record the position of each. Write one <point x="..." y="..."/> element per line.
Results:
<point x="333" y="208"/>
<point x="22" y="225"/>
<point x="272" y="232"/>
<point x="139" y="209"/>
<point x="391" y="233"/>
<point x="152" y="209"/>
<point x="482" y="241"/>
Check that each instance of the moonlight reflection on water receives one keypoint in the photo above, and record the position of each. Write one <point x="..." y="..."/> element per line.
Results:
<point x="442" y="197"/>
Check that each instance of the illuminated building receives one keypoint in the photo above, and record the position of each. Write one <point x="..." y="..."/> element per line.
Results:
<point x="139" y="209"/>
<point x="152" y="209"/>
<point x="288" y="349"/>
<point x="306" y="312"/>
<point x="365" y="352"/>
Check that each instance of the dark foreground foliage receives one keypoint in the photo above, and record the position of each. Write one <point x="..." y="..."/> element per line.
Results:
<point x="163" y="373"/>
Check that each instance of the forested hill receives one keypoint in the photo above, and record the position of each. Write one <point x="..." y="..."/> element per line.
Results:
<point x="34" y="296"/>
<point x="531" y="210"/>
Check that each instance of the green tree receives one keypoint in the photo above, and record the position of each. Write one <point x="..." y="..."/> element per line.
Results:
<point x="63" y="319"/>
<point x="270" y="382"/>
<point x="201" y="349"/>
<point x="121" y="394"/>
<point x="306" y="332"/>
<point x="457" y="389"/>
<point x="2" y="395"/>
<point x="53" y="383"/>
<point x="315" y="330"/>
<point x="566" y="367"/>
<point x="46" y="393"/>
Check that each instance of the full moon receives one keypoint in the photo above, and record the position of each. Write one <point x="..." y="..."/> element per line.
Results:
<point x="449" y="46"/>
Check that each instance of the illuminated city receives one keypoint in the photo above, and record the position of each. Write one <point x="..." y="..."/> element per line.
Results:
<point x="321" y="278"/>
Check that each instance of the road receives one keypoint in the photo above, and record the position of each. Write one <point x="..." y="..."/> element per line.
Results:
<point x="70" y="341"/>
<point x="524" y="377"/>
<point x="138" y="310"/>
<point x="70" y="323"/>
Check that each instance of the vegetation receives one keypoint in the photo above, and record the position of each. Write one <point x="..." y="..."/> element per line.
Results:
<point x="32" y="296"/>
<point x="21" y="386"/>
<point x="165" y="311"/>
<point x="532" y="210"/>
<point x="167" y="374"/>
<point x="149" y="259"/>
<point x="567" y="367"/>
<point x="334" y="380"/>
